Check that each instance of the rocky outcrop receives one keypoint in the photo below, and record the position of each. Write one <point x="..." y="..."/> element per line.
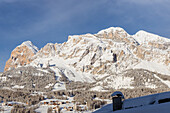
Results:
<point x="21" y="55"/>
<point x="48" y="50"/>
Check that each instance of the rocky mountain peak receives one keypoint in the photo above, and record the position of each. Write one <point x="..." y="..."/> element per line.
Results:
<point x="113" y="30"/>
<point x="30" y="45"/>
<point x="146" y="37"/>
<point x="21" y="55"/>
<point x="48" y="50"/>
<point x="109" y="51"/>
<point x="113" y="33"/>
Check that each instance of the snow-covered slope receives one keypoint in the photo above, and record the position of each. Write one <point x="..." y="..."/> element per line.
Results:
<point x="62" y="68"/>
<point x="153" y="66"/>
<point x="145" y="37"/>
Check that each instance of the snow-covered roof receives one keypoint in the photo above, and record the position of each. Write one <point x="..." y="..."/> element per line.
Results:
<point x="145" y="100"/>
<point x="118" y="93"/>
<point x="141" y="104"/>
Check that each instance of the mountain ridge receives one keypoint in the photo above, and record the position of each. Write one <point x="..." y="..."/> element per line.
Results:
<point x="110" y="52"/>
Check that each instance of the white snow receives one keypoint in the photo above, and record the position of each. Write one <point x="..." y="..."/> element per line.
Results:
<point x="149" y="85"/>
<point x="62" y="67"/>
<point x="166" y="82"/>
<point x="18" y="87"/>
<point x="43" y="70"/>
<point x="3" y="78"/>
<point x="153" y="66"/>
<point x="145" y="37"/>
<point x="118" y="82"/>
<point x="59" y="86"/>
<point x="49" y="85"/>
<point x="122" y="82"/>
<point x="7" y="109"/>
<point x="98" y="88"/>
<point x="42" y="109"/>
<point x="112" y="29"/>
<point x="30" y="46"/>
<point x="158" y="108"/>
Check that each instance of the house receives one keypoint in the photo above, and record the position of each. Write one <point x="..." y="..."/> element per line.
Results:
<point x="60" y="103"/>
<point x="73" y="101"/>
<point x="4" y="104"/>
<point x="70" y="108"/>
<point x="54" y="103"/>
<point x="58" y="109"/>
<point x="67" y="102"/>
<point x="75" y="107"/>
<point x="9" y="104"/>
<point x="65" y="108"/>
<point x="46" y="103"/>
<point x="3" y="78"/>
<point x="51" y="101"/>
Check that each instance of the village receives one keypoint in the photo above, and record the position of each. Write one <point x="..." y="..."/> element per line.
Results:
<point x="67" y="105"/>
<point x="62" y="105"/>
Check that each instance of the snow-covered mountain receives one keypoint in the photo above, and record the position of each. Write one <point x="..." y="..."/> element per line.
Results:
<point x="110" y="58"/>
<point x="21" y="55"/>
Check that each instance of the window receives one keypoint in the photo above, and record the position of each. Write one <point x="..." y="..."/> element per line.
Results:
<point x="164" y="100"/>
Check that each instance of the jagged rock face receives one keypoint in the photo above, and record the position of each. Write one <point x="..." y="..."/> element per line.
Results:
<point x="48" y="50"/>
<point x="109" y="51"/>
<point x="21" y="55"/>
<point x="111" y="56"/>
<point x="152" y="47"/>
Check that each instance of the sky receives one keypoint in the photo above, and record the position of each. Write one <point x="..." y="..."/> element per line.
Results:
<point x="51" y="21"/>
